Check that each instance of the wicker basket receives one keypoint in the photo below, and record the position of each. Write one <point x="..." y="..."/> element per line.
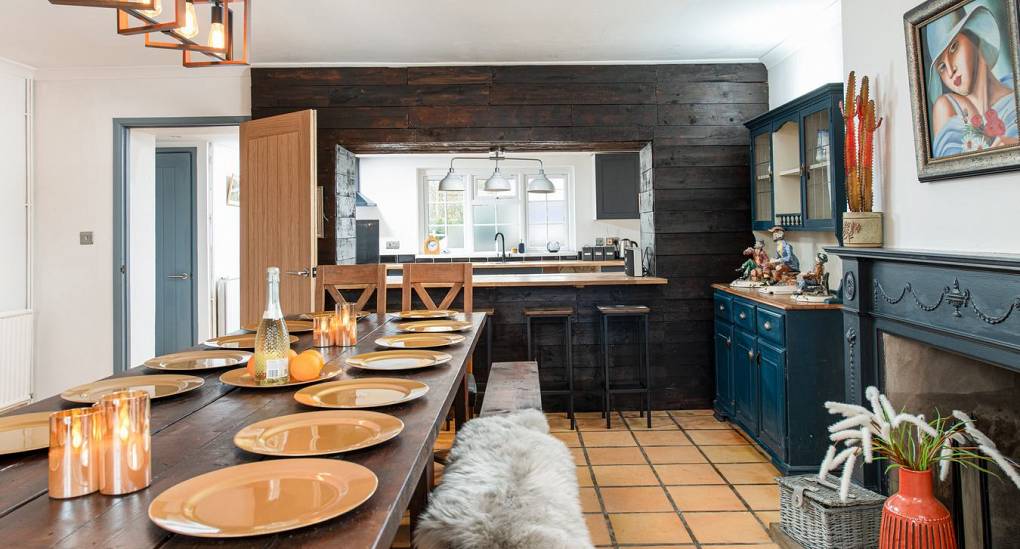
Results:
<point x="812" y="514"/>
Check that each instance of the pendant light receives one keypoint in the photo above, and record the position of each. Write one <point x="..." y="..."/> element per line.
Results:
<point x="496" y="182"/>
<point x="452" y="182"/>
<point x="190" y="27"/>
<point x="157" y="8"/>
<point x="541" y="184"/>
<point x="217" y="33"/>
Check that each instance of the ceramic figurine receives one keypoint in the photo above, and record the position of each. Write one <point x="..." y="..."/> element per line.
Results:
<point x="813" y="285"/>
<point x="752" y="270"/>
<point x="784" y="267"/>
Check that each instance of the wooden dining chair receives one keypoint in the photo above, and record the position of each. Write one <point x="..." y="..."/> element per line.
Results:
<point x="369" y="279"/>
<point x="419" y="277"/>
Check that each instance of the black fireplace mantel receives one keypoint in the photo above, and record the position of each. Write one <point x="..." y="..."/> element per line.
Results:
<point x="968" y="304"/>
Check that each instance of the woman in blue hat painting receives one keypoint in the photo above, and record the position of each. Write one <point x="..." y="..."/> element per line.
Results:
<point x="972" y="109"/>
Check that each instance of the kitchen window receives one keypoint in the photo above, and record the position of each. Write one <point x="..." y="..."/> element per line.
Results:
<point x="467" y="222"/>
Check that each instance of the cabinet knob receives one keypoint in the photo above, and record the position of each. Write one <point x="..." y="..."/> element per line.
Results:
<point x="742" y="315"/>
<point x="767" y="325"/>
<point x="729" y="341"/>
<point x="750" y="355"/>
<point x="722" y="307"/>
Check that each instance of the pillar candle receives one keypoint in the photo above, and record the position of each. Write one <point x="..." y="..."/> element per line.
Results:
<point x="74" y="452"/>
<point x="322" y="330"/>
<point x="345" y="327"/>
<point x="125" y="456"/>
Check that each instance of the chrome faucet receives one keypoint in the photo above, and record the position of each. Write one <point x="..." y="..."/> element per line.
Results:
<point x="502" y="246"/>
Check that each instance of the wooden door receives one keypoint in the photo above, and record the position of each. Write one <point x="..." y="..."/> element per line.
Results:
<point x="278" y="211"/>
<point x="175" y="250"/>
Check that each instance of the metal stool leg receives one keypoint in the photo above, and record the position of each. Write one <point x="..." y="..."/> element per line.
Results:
<point x="570" y="372"/>
<point x="647" y="359"/>
<point x="607" y="398"/>
<point x="490" y="327"/>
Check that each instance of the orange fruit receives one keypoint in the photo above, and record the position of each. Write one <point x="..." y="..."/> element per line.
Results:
<point x="305" y="367"/>
<point x="317" y="355"/>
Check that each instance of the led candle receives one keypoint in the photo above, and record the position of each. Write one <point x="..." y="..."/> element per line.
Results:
<point x="345" y="327"/>
<point x="74" y="452"/>
<point x="125" y="455"/>
<point x="322" y="330"/>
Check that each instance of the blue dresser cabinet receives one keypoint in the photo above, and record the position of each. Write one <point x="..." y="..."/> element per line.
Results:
<point x="776" y="363"/>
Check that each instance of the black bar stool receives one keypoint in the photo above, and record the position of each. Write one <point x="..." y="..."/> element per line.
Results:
<point x="640" y="313"/>
<point x="567" y="315"/>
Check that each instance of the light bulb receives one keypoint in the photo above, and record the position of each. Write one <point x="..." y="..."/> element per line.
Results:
<point x="190" y="27"/>
<point x="217" y="34"/>
<point x="157" y="8"/>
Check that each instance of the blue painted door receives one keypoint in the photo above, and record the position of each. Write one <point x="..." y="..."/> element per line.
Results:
<point x="772" y="391"/>
<point x="745" y="393"/>
<point x="175" y="250"/>
<point x="723" y="367"/>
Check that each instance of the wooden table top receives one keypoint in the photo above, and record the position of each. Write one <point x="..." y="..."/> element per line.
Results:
<point x="193" y="434"/>
<point x="572" y="263"/>
<point x="784" y="302"/>
<point x="578" y="280"/>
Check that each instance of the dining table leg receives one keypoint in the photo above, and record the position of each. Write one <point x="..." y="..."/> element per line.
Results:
<point x="460" y="404"/>
<point x="420" y="497"/>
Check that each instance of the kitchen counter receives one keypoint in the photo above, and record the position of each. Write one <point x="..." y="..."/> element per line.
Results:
<point x="566" y="263"/>
<point x="578" y="280"/>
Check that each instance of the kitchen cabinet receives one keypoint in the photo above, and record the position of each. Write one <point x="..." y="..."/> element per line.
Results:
<point x="774" y="369"/>
<point x="617" y="182"/>
<point x="797" y="178"/>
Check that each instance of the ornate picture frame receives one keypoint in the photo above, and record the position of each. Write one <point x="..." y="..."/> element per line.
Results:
<point x="950" y="140"/>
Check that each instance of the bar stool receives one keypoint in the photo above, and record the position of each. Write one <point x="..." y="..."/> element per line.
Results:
<point x="640" y="313"/>
<point x="566" y="314"/>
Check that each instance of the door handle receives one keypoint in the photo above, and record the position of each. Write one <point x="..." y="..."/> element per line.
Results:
<point x="181" y="276"/>
<point x="303" y="272"/>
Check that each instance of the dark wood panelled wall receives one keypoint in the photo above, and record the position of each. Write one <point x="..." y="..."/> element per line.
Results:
<point x="686" y="119"/>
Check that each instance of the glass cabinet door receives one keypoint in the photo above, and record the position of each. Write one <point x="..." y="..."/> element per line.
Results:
<point x="817" y="152"/>
<point x="762" y="187"/>
<point x="786" y="157"/>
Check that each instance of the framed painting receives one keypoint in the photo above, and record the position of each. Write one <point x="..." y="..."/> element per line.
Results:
<point x="963" y="61"/>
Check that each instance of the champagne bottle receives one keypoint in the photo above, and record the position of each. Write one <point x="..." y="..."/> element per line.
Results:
<point x="272" y="342"/>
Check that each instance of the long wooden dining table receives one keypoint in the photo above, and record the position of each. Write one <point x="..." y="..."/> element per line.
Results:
<point x="192" y="434"/>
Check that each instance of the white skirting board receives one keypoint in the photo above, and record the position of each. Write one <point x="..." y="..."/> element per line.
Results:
<point x="16" y="350"/>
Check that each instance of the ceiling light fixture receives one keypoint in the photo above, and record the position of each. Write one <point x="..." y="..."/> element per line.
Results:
<point x="497" y="182"/>
<point x="190" y="27"/>
<point x="149" y="19"/>
<point x="120" y="4"/>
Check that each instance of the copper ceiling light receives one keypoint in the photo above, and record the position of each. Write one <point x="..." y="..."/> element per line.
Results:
<point x="120" y="4"/>
<point x="149" y="18"/>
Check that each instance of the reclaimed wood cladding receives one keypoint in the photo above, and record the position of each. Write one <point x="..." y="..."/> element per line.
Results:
<point x="688" y="119"/>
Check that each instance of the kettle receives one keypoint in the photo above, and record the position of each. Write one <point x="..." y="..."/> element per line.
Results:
<point x="632" y="264"/>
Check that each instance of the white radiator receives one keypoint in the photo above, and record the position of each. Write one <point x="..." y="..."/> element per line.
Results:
<point x="16" y="344"/>
<point x="228" y="305"/>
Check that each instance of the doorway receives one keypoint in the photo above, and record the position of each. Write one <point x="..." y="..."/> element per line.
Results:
<point x="176" y="236"/>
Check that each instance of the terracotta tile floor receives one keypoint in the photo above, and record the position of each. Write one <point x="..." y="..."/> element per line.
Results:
<point x="690" y="481"/>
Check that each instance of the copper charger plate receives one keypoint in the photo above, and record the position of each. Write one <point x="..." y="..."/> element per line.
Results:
<point x="293" y="326"/>
<point x="198" y="360"/>
<point x="434" y="326"/>
<point x="419" y="341"/>
<point x="310" y="316"/>
<point x="263" y="497"/>
<point x="240" y="377"/>
<point x="157" y="385"/>
<point x="354" y="394"/>
<point x="318" y="433"/>
<point x="398" y="360"/>
<point x="24" y="432"/>
<point x="237" y="341"/>
<point x="424" y="314"/>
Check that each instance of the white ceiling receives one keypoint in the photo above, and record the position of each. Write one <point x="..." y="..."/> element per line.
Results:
<point x="407" y="32"/>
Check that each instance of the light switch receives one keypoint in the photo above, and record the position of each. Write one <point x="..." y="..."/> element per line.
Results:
<point x="392" y="244"/>
<point x="85" y="238"/>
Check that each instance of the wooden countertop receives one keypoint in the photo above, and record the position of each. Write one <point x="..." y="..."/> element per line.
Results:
<point x="572" y="263"/>
<point x="552" y="279"/>
<point x="784" y="302"/>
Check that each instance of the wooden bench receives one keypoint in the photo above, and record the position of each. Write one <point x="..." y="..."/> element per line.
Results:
<point x="511" y="386"/>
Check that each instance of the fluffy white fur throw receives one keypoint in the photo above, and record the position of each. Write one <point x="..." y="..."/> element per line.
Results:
<point x="507" y="485"/>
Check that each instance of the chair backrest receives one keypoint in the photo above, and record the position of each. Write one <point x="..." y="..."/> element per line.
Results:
<point x="367" y="278"/>
<point x="420" y="276"/>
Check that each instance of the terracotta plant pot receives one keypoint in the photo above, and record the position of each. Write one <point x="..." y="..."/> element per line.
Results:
<point x="862" y="229"/>
<point x="913" y="519"/>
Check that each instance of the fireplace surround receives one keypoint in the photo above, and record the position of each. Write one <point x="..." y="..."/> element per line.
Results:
<point x="940" y="330"/>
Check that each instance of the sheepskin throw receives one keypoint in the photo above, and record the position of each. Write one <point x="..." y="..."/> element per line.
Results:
<point x="507" y="485"/>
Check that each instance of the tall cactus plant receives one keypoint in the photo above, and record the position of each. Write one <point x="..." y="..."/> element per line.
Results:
<point x="860" y="124"/>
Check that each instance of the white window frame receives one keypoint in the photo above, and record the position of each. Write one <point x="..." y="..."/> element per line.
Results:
<point x="471" y="199"/>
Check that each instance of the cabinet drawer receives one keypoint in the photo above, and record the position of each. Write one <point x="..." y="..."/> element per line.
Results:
<point x="723" y="304"/>
<point x="743" y="315"/>
<point x="771" y="326"/>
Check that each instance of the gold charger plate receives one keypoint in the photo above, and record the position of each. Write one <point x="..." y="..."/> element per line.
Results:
<point x="419" y="341"/>
<point x="361" y="393"/>
<point x="434" y="326"/>
<point x="198" y="360"/>
<point x="293" y="326"/>
<point x="237" y="341"/>
<point x="157" y="385"/>
<point x="398" y="360"/>
<point x="425" y="314"/>
<point x="309" y="316"/>
<point x="241" y="378"/>
<point x="24" y="432"/>
<point x="263" y="497"/>
<point x="318" y="433"/>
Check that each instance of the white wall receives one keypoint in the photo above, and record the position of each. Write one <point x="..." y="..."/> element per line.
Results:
<point x="13" y="189"/>
<point x="74" y="192"/>
<point x="142" y="245"/>
<point x="974" y="214"/>
<point x="391" y="181"/>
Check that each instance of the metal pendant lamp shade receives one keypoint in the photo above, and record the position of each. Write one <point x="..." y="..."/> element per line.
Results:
<point x="497" y="183"/>
<point x="452" y="182"/>
<point x="541" y="184"/>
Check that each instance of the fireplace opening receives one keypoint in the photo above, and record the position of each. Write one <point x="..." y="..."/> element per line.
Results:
<point x="924" y="379"/>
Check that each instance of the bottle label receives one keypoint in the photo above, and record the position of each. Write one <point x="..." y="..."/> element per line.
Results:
<point x="277" y="368"/>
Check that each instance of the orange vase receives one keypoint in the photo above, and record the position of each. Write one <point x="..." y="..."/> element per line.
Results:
<point x="913" y="518"/>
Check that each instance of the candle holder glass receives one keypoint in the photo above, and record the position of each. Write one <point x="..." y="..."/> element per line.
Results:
<point x="74" y="452"/>
<point x="126" y="450"/>
<point x="345" y="325"/>
<point x="322" y="330"/>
